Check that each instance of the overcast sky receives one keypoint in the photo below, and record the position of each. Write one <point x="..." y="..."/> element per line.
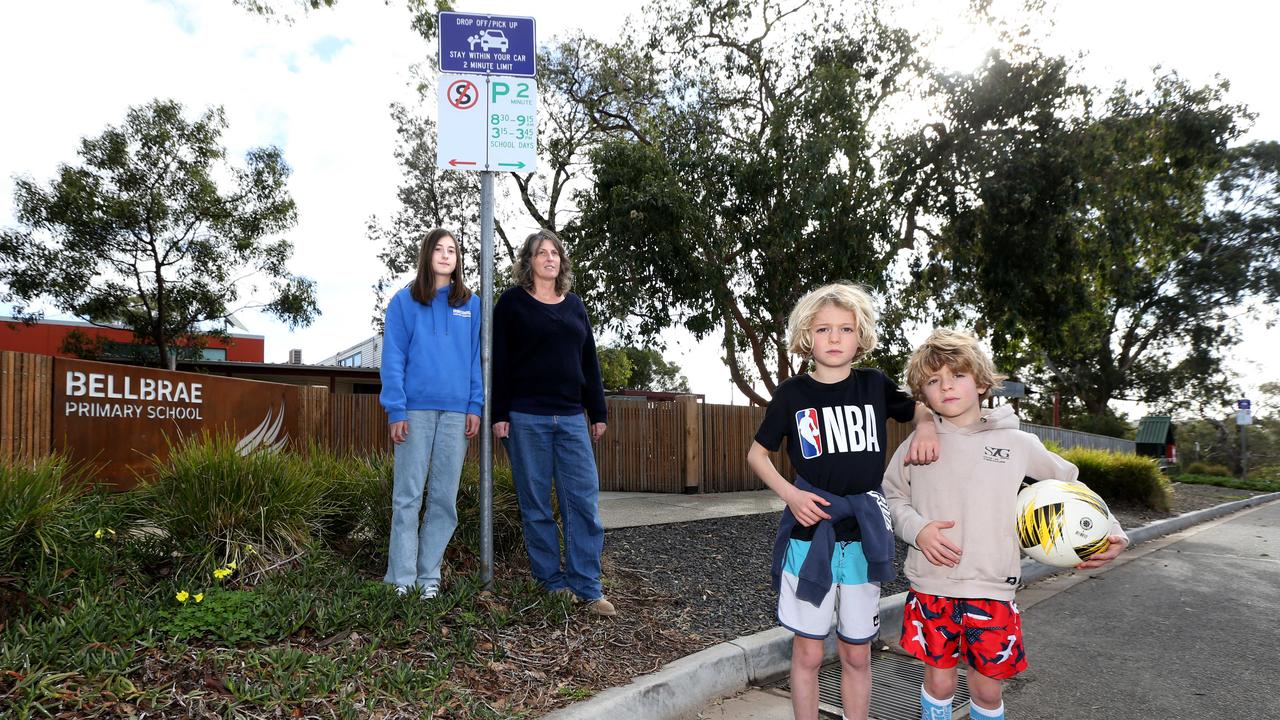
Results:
<point x="320" y="89"/>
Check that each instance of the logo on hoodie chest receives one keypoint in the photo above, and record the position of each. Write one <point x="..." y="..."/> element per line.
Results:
<point x="996" y="455"/>
<point x="459" y="312"/>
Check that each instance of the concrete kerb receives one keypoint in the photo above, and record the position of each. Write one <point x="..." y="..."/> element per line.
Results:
<point x="684" y="686"/>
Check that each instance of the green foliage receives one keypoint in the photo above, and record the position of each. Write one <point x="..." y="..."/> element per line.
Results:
<point x="615" y="368"/>
<point x="739" y="174"/>
<point x="142" y="234"/>
<point x="1122" y="477"/>
<point x="38" y="511"/>
<point x="630" y="367"/>
<point x="226" y="616"/>
<point x="316" y="632"/>
<point x="508" y="536"/>
<point x="1265" y="480"/>
<point x="1202" y="468"/>
<point x="1100" y="239"/>
<point x="210" y="499"/>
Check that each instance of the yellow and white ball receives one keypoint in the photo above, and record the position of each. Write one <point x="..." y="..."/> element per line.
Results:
<point x="1061" y="523"/>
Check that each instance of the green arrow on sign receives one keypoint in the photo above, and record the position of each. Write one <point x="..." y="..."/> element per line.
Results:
<point x="514" y="165"/>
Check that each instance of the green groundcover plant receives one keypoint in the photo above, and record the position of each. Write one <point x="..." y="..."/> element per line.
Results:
<point x="260" y="574"/>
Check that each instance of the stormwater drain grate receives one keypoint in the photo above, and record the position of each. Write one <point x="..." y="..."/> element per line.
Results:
<point x="895" y="688"/>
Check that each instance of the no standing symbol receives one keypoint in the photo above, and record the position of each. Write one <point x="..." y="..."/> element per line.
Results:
<point x="463" y="94"/>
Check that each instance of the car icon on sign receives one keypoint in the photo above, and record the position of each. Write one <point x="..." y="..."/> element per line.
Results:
<point x="488" y="40"/>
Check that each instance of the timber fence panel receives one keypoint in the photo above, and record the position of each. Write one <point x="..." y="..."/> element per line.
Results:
<point x="358" y="425"/>
<point x="26" y="405"/>
<point x="643" y="448"/>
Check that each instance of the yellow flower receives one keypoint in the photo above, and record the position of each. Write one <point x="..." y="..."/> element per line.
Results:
<point x="98" y="534"/>
<point x="199" y="597"/>
<point x="221" y="573"/>
<point x="182" y="596"/>
<point x="232" y="565"/>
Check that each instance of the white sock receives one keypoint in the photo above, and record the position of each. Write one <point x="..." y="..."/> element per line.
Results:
<point x="933" y="700"/>
<point x="932" y="708"/>
<point x="977" y="711"/>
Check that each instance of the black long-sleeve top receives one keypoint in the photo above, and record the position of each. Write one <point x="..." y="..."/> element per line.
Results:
<point x="544" y="358"/>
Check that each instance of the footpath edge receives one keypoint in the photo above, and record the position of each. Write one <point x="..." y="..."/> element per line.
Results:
<point x="683" y="686"/>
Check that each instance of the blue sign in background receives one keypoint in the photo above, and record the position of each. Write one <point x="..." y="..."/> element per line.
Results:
<point x="487" y="44"/>
<point x="1244" y="405"/>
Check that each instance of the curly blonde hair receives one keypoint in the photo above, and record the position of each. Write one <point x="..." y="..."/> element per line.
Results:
<point x="956" y="350"/>
<point x="843" y="295"/>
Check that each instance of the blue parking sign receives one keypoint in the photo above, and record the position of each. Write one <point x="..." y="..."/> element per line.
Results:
<point x="488" y="44"/>
<point x="1244" y="405"/>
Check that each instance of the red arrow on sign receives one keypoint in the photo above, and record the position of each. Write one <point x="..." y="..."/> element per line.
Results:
<point x="456" y="163"/>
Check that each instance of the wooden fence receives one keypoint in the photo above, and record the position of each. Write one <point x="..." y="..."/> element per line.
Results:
<point x="26" y="405"/>
<point x="680" y="446"/>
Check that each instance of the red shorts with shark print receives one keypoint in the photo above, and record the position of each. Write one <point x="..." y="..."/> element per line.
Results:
<point x="938" y="629"/>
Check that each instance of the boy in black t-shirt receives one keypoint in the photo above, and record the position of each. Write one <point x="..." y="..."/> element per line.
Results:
<point x="835" y="543"/>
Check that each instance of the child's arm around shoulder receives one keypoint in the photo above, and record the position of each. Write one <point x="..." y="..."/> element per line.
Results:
<point x="923" y="445"/>
<point x="1044" y="465"/>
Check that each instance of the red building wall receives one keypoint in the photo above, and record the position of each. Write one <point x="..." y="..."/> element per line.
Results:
<point x="46" y="337"/>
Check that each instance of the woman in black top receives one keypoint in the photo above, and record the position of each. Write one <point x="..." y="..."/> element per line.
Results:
<point x="546" y="382"/>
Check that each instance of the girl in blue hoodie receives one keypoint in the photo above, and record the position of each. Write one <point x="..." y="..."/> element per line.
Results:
<point x="432" y="392"/>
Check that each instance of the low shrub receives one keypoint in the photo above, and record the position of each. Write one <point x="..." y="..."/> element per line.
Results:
<point x="379" y="477"/>
<point x="211" y="501"/>
<point x="507" y="533"/>
<point x="1263" y="480"/>
<point x="1204" y="468"/>
<point x="1122" y="477"/>
<point x="39" y="505"/>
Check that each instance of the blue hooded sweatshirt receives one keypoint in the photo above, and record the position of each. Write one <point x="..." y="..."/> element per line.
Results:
<point x="431" y="356"/>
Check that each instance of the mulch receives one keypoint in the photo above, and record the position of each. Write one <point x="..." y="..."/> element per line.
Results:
<point x="716" y="571"/>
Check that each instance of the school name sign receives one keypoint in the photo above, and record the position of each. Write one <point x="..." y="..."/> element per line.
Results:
<point x="98" y="395"/>
<point x="118" y="418"/>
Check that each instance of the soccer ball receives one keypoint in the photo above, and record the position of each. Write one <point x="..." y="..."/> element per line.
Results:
<point x="1061" y="523"/>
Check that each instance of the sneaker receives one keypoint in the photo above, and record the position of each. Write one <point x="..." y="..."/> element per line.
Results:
<point x="402" y="590"/>
<point x="429" y="592"/>
<point x="602" y="607"/>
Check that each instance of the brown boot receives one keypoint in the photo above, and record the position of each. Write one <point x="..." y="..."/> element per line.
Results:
<point x="603" y="608"/>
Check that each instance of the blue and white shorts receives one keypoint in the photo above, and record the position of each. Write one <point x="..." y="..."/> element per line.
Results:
<point x="853" y="600"/>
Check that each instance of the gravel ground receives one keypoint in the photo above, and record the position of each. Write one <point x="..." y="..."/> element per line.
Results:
<point x="717" y="571"/>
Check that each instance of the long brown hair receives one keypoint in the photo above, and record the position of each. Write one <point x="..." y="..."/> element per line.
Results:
<point x="523" y="269"/>
<point x="423" y="288"/>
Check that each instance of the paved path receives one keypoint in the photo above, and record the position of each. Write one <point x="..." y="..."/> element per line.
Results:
<point x="1187" y="628"/>
<point x="628" y="509"/>
<point x="1183" y="627"/>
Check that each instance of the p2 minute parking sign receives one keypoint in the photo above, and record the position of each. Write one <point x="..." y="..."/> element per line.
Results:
<point x="487" y="122"/>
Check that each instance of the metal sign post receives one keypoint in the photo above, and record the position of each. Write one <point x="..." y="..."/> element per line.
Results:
<point x="488" y="122"/>
<point x="1244" y="418"/>
<point x="486" y="363"/>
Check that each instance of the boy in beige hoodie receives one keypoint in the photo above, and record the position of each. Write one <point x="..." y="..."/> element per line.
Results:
<point x="958" y="516"/>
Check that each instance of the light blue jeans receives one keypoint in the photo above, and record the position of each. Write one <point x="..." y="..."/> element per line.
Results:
<point x="434" y="448"/>
<point x="543" y="447"/>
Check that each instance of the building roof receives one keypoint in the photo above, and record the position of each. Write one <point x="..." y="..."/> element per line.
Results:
<point x="1155" y="430"/>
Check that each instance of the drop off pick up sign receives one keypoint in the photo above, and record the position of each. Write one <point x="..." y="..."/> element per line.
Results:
<point x="487" y="44"/>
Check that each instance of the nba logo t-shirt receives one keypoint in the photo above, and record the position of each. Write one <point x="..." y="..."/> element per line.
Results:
<point x="836" y="433"/>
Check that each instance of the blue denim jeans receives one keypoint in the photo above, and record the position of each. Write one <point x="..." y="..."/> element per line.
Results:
<point x="543" y="447"/>
<point x="434" y="449"/>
